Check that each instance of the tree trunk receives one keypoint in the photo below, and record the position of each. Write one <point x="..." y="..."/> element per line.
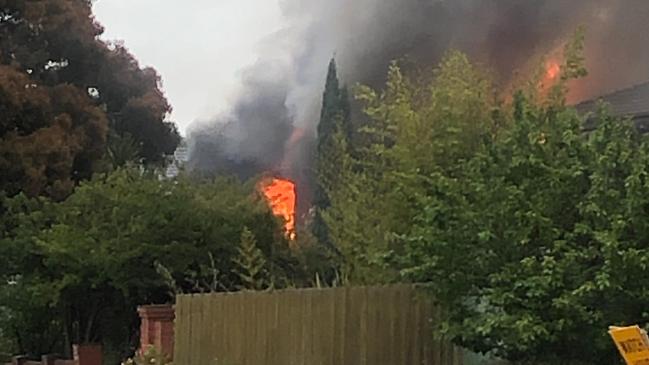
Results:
<point x="87" y="338"/>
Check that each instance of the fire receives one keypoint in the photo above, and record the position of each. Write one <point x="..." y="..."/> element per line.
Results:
<point x="552" y="71"/>
<point x="282" y="199"/>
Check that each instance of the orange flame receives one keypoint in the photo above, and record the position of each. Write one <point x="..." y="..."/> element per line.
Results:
<point x="552" y="71"/>
<point x="281" y="197"/>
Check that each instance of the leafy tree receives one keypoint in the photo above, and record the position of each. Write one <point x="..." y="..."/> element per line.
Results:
<point x="24" y="298"/>
<point x="61" y="91"/>
<point x="80" y="267"/>
<point x="46" y="134"/>
<point x="414" y="128"/>
<point x="344" y="217"/>
<point x="531" y="233"/>
<point x="545" y="240"/>
<point x="537" y="242"/>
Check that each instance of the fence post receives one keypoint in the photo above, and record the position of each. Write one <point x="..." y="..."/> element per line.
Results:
<point x="157" y="328"/>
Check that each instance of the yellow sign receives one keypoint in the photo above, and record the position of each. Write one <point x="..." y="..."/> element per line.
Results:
<point x="633" y="344"/>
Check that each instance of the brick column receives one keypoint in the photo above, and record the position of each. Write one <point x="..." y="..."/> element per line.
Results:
<point x="157" y="328"/>
<point x="87" y="354"/>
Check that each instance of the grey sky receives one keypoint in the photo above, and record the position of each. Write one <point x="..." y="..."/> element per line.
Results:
<point x="198" y="46"/>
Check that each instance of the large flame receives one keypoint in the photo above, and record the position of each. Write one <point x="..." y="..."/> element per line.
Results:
<point x="282" y="199"/>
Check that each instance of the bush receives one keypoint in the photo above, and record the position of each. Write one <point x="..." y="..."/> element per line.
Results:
<point x="83" y="265"/>
<point x="151" y="356"/>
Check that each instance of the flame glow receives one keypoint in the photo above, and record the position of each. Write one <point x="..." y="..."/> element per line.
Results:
<point x="281" y="197"/>
<point x="552" y="71"/>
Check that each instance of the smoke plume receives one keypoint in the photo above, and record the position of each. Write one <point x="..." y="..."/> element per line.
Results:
<point x="271" y="126"/>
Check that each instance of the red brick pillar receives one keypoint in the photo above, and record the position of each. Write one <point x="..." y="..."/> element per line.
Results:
<point x="87" y="354"/>
<point x="157" y="328"/>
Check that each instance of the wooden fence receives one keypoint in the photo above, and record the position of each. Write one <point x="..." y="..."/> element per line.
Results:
<point x="341" y="326"/>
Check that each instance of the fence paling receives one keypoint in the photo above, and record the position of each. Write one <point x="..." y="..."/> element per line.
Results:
<point x="389" y="325"/>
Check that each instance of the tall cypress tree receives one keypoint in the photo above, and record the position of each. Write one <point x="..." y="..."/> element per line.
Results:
<point x="331" y="106"/>
<point x="334" y="117"/>
<point x="346" y="114"/>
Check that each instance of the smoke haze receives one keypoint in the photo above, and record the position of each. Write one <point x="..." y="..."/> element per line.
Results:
<point x="281" y="93"/>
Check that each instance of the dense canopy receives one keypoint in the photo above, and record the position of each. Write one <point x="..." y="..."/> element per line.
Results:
<point x="65" y="94"/>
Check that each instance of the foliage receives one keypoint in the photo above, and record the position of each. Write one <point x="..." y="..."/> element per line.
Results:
<point x="335" y="123"/>
<point x="205" y="279"/>
<point x="536" y="242"/>
<point x="532" y="232"/>
<point x="346" y="217"/>
<point x="151" y="356"/>
<point x="80" y="267"/>
<point x="250" y="263"/>
<point x="319" y="264"/>
<point x="415" y="127"/>
<point x="62" y="90"/>
<point x="46" y="133"/>
<point x="122" y="150"/>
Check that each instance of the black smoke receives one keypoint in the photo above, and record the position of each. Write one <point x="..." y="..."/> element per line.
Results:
<point x="282" y="91"/>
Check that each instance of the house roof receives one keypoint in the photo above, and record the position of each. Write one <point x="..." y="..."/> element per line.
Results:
<point x="632" y="102"/>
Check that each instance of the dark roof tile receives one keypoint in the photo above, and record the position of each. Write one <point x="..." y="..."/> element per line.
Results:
<point x="631" y="102"/>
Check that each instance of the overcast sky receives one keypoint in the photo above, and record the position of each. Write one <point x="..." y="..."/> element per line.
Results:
<point x="198" y="46"/>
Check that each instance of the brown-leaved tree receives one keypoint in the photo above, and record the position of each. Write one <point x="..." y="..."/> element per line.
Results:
<point x="63" y="92"/>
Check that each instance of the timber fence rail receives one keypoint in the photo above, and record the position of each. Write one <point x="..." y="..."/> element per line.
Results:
<point x="390" y="325"/>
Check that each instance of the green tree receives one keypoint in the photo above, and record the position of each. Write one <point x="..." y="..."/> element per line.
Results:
<point x="344" y="217"/>
<point x="334" y="117"/>
<point x="122" y="150"/>
<point x="540" y="245"/>
<point x="531" y="233"/>
<point x="538" y="242"/>
<point x="415" y="127"/>
<point x="250" y="263"/>
<point x="61" y="91"/>
<point x="75" y="271"/>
